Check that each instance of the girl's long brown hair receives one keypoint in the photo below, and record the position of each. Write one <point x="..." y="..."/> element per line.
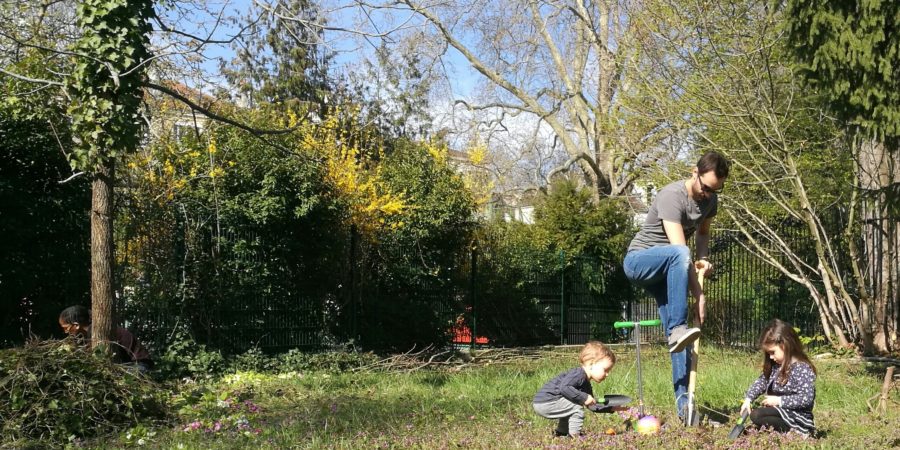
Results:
<point x="782" y="334"/>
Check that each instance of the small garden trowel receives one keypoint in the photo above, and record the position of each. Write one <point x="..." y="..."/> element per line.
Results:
<point x="739" y="427"/>
<point x="609" y="401"/>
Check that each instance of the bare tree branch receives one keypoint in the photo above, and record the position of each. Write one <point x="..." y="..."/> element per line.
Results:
<point x="219" y="118"/>
<point x="29" y="79"/>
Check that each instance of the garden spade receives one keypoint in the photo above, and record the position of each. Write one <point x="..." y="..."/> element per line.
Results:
<point x="637" y="345"/>
<point x="692" y="415"/>
<point x="739" y="427"/>
<point x="610" y="401"/>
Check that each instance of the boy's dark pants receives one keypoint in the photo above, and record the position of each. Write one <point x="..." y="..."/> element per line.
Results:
<point x="570" y="415"/>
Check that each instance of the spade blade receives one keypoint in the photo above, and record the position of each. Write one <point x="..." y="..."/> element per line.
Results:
<point x="616" y="400"/>
<point x="610" y="401"/>
<point x="739" y="427"/>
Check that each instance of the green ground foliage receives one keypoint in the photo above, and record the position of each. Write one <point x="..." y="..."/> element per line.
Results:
<point x="58" y="391"/>
<point x="486" y="403"/>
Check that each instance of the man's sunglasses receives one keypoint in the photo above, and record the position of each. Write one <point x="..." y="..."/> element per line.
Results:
<point x="707" y="189"/>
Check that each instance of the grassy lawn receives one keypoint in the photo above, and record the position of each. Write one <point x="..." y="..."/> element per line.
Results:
<point x="490" y="407"/>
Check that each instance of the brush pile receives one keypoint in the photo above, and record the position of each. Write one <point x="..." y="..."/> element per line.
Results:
<point x="432" y="358"/>
<point x="54" y="392"/>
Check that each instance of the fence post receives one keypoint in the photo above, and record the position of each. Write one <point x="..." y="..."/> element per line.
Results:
<point x="472" y="286"/>
<point x="562" y="298"/>
<point x="351" y="287"/>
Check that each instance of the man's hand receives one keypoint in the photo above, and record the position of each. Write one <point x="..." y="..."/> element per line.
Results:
<point x="703" y="265"/>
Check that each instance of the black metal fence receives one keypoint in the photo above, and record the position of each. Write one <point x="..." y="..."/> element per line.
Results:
<point x="563" y="301"/>
<point x="744" y="294"/>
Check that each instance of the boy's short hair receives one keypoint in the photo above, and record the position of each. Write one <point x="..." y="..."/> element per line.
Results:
<point x="76" y="314"/>
<point x="595" y="351"/>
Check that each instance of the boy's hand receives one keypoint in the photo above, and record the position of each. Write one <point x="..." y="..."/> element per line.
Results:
<point x="590" y="401"/>
<point x="745" y="406"/>
<point x="771" y="400"/>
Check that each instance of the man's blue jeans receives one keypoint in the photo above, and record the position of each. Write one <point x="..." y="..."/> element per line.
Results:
<point x="663" y="272"/>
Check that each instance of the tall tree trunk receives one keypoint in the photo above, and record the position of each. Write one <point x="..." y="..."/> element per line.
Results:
<point x="878" y="169"/>
<point x="863" y="292"/>
<point x="102" y="261"/>
<point x="894" y="320"/>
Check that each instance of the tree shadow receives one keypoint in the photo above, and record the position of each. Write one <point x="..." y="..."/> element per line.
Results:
<point x="719" y="413"/>
<point x="435" y="379"/>
<point x="357" y="416"/>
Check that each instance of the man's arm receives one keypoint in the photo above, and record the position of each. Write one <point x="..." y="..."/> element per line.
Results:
<point x="702" y="241"/>
<point x="675" y="232"/>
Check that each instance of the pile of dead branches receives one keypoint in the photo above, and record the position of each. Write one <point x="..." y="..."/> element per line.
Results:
<point x="55" y="391"/>
<point x="455" y="359"/>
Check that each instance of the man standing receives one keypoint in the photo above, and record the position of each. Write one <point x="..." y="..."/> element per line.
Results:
<point x="659" y="260"/>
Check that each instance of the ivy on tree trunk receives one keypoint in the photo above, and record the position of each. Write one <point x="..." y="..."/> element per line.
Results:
<point x="106" y="93"/>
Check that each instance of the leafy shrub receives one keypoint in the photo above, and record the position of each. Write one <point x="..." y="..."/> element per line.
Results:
<point x="54" y="391"/>
<point x="405" y="263"/>
<point x="297" y="361"/>
<point x="44" y="225"/>
<point x="573" y="223"/>
<point x="573" y="249"/>
<point x="253" y="360"/>
<point x="185" y="357"/>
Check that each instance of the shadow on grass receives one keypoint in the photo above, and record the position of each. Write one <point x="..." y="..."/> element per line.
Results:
<point x="351" y="416"/>
<point x="719" y="413"/>
<point x="878" y="369"/>
<point x="435" y="379"/>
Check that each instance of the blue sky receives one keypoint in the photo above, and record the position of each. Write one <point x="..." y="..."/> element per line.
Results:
<point x="349" y="50"/>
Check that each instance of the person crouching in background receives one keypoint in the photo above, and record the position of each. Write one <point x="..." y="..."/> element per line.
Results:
<point x="128" y="351"/>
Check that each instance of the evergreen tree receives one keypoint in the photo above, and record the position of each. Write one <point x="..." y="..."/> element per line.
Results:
<point x="281" y="58"/>
<point x="850" y="53"/>
<point x="393" y="91"/>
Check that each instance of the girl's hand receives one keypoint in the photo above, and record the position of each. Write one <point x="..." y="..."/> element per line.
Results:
<point x="590" y="401"/>
<point x="771" y="400"/>
<point x="745" y="406"/>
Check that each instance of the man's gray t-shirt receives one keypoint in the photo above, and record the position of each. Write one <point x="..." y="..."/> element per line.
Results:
<point x="673" y="204"/>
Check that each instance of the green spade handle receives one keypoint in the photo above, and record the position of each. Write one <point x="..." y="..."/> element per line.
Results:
<point x="643" y="323"/>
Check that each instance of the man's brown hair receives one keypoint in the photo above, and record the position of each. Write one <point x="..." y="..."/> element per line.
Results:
<point x="713" y="162"/>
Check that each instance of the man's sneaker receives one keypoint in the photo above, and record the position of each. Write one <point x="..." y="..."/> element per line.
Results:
<point x="681" y="337"/>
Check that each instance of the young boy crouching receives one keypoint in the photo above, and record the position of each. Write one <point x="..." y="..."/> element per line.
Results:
<point x="565" y="396"/>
